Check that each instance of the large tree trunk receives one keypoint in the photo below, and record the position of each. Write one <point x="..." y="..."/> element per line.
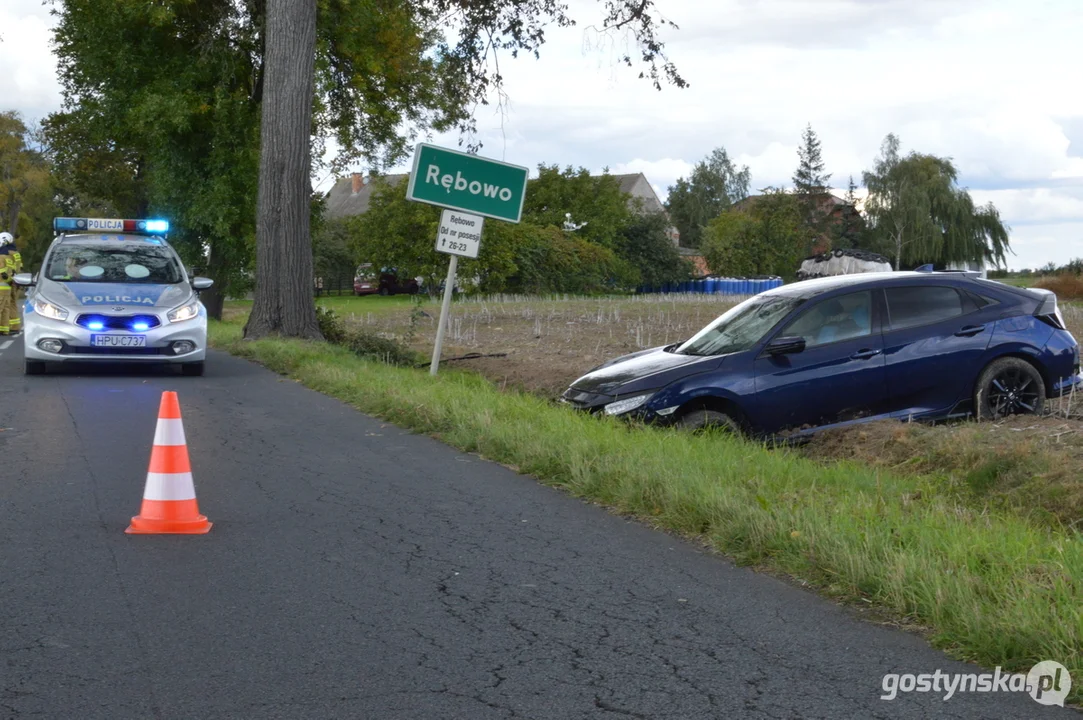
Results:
<point x="284" y="304"/>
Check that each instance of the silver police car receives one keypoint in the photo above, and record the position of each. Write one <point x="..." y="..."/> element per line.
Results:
<point x="113" y="290"/>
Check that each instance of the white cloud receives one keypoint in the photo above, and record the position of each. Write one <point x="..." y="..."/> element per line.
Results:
<point x="28" y="83"/>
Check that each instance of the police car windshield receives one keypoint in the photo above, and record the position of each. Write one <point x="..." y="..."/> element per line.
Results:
<point x="115" y="262"/>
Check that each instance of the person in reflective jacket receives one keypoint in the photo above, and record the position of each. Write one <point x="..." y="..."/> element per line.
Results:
<point x="7" y="272"/>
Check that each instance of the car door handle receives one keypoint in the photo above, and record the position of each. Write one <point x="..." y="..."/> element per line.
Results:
<point x="865" y="354"/>
<point x="970" y="330"/>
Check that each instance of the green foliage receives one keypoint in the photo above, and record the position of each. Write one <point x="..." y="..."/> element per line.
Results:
<point x="547" y="259"/>
<point x="767" y="238"/>
<point x="163" y="100"/>
<point x="810" y="178"/>
<point x="646" y="248"/>
<point x="597" y="204"/>
<point x="918" y="215"/>
<point x="363" y="343"/>
<point x="333" y="259"/>
<point x="811" y="186"/>
<point x="523" y="257"/>
<point x="332" y="327"/>
<point x="851" y="232"/>
<point x="24" y="173"/>
<point x="714" y="185"/>
<point x="395" y="232"/>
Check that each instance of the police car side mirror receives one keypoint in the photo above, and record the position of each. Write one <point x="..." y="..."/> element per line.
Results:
<point x="24" y="279"/>
<point x="201" y="283"/>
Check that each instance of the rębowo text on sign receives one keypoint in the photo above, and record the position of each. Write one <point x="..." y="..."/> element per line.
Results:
<point x="473" y="184"/>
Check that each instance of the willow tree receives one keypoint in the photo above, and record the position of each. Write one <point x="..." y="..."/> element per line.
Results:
<point x="920" y="215"/>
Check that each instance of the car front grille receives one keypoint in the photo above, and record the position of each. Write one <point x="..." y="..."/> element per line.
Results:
<point x="117" y="322"/>
<point x="582" y="400"/>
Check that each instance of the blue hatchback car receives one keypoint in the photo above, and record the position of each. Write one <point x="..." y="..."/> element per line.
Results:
<point x="853" y="348"/>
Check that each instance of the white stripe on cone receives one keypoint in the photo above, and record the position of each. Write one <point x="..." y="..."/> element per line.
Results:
<point x="170" y="431"/>
<point x="169" y="486"/>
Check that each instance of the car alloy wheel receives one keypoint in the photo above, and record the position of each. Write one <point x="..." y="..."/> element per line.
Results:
<point x="1010" y="386"/>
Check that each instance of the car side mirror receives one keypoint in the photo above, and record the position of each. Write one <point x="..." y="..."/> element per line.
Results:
<point x="201" y="283"/>
<point x="24" y="279"/>
<point x="786" y="345"/>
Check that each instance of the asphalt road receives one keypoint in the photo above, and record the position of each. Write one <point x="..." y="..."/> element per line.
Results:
<point x="356" y="570"/>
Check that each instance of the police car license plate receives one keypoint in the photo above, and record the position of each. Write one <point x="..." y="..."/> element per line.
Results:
<point x="118" y="340"/>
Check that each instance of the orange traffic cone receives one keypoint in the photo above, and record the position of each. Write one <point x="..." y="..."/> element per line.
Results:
<point x="169" y="497"/>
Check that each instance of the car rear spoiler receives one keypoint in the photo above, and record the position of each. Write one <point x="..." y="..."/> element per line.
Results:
<point x="1047" y="310"/>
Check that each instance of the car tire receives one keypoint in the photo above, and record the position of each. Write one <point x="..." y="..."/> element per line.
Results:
<point x="1009" y="386"/>
<point x="707" y="419"/>
<point x="34" y="367"/>
<point x="384" y="291"/>
<point x="192" y="369"/>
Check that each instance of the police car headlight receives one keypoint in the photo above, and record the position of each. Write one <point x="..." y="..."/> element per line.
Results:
<point x="47" y="309"/>
<point x="184" y="312"/>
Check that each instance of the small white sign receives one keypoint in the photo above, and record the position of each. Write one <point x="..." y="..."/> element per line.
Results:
<point x="459" y="233"/>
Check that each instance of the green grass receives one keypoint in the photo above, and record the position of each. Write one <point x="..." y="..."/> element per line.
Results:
<point x="347" y="303"/>
<point x="989" y="586"/>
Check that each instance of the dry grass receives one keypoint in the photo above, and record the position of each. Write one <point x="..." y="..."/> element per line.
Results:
<point x="545" y="342"/>
<point x="1066" y="285"/>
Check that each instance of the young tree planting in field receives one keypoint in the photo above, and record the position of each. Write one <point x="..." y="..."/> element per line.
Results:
<point x="714" y="184"/>
<point x="916" y="212"/>
<point x="767" y="238"/>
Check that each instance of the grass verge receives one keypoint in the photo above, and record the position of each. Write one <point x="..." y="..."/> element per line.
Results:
<point x="990" y="586"/>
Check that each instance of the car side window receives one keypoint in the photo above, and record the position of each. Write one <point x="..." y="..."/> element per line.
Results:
<point x="922" y="305"/>
<point x="838" y="318"/>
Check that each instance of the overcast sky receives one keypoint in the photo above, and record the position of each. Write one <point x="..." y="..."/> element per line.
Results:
<point x="993" y="84"/>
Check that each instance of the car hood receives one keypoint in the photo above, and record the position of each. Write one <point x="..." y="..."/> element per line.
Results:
<point x="640" y="371"/>
<point x="115" y="297"/>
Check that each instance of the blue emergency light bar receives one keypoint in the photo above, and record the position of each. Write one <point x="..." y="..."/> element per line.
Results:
<point x="143" y="227"/>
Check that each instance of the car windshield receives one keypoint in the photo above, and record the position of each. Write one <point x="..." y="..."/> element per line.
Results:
<point x="741" y="327"/>
<point x="119" y="262"/>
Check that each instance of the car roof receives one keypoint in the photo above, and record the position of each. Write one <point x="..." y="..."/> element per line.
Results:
<point x="818" y="286"/>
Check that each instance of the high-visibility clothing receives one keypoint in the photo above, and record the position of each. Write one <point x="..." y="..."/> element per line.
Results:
<point x="5" y="311"/>
<point x="7" y="270"/>
<point x="18" y="258"/>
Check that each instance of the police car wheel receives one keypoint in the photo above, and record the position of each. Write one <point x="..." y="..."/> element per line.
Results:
<point x="192" y="369"/>
<point x="34" y="367"/>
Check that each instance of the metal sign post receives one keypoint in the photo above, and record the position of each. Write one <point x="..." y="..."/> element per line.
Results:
<point x="459" y="234"/>
<point x="449" y="287"/>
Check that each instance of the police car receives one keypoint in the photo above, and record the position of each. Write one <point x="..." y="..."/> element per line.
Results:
<point x="113" y="290"/>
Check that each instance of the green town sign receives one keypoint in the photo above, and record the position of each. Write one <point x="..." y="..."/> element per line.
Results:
<point x="469" y="183"/>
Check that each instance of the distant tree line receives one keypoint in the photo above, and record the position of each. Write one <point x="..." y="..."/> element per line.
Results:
<point x="914" y="213"/>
